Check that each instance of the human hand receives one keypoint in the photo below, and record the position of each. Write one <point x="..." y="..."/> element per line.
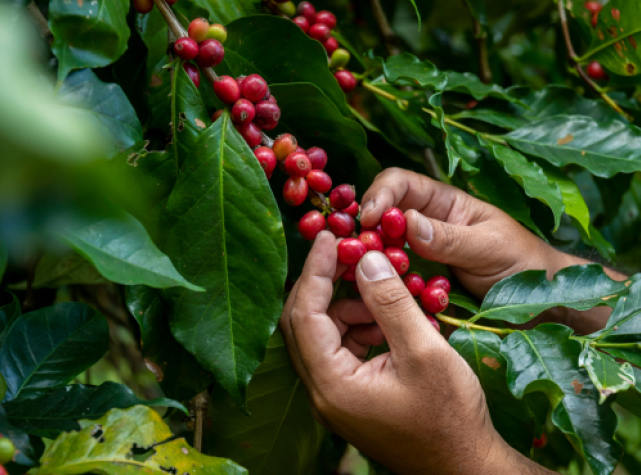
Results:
<point x="418" y="409"/>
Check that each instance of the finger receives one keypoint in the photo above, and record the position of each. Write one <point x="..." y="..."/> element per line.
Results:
<point x="361" y="338"/>
<point x="403" y="323"/>
<point x="317" y="337"/>
<point x="347" y="312"/>
<point x="409" y="190"/>
<point x="290" y="342"/>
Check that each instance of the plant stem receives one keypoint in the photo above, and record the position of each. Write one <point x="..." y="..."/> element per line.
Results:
<point x="404" y="103"/>
<point x="199" y="405"/>
<point x="485" y="72"/>
<point x="390" y="39"/>
<point x="471" y="326"/>
<point x="598" y="344"/>
<point x="41" y="22"/>
<point x="575" y="62"/>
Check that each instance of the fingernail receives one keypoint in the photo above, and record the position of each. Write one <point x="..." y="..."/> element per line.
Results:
<point x="375" y="266"/>
<point x="425" y="228"/>
<point x="369" y="206"/>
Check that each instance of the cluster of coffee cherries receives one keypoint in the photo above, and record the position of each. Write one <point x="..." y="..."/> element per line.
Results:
<point x="204" y="45"/>
<point x="594" y="69"/>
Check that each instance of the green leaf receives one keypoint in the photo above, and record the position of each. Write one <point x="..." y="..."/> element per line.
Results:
<point x="105" y="446"/>
<point x="624" y="231"/>
<point x="281" y="437"/>
<point x="122" y="251"/>
<point x="180" y="376"/>
<point x="106" y="106"/>
<point x="47" y="348"/>
<point x="624" y="319"/>
<point x="453" y="155"/>
<point x="532" y="179"/>
<point x="216" y="11"/>
<point x="608" y="376"/>
<point x="223" y="229"/>
<point x="511" y="417"/>
<point x="24" y="454"/>
<point x="88" y="34"/>
<point x="418" y="13"/>
<point x="546" y="359"/>
<point x="9" y="313"/>
<point x="521" y="297"/>
<point x="603" y="149"/>
<point x="630" y="400"/>
<point x="505" y="120"/>
<point x="60" y="410"/>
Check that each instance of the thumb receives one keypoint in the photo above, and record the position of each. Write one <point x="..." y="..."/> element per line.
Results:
<point x="403" y="323"/>
<point x="437" y="241"/>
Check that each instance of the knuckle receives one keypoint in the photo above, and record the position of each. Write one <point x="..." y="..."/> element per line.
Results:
<point x="393" y="297"/>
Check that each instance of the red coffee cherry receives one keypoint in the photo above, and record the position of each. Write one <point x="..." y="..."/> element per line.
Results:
<point x="372" y="241"/>
<point x="267" y="115"/>
<point x="342" y="196"/>
<point x="390" y="241"/>
<point x="198" y="29"/>
<point x="346" y="80"/>
<point x="319" y="181"/>
<point x="434" y="322"/>
<point x="593" y="7"/>
<point x="251" y="133"/>
<point x="300" y="149"/>
<point x="414" y="283"/>
<point x="311" y="224"/>
<point x="300" y="21"/>
<point x="439" y="281"/>
<point x="297" y="164"/>
<point x="3" y="471"/>
<point x="540" y="443"/>
<point x="434" y="299"/>
<point x="596" y="71"/>
<point x="326" y="17"/>
<point x="471" y="104"/>
<point x="253" y="88"/>
<point x="353" y="209"/>
<point x="307" y="10"/>
<point x="295" y="191"/>
<point x="210" y="53"/>
<point x="227" y="90"/>
<point x="272" y="99"/>
<point x="350" y="274"/>
<point x="320" y="32"/>
<point x="341" y="224"/>
<point x="398" y="258"/>
<point x="216" y="115"/>
<point x="393" y="222"/>
<point x="240" y="80"/>
<point x="186" y="48"/>
<point x="193" y="73"/>
<point x="143" y="6"/>
<point x="284" y="145"/>
<point x="350" y="251"/>
<point x="242" y="112"/>
<point x="266" y="158"/>
<point x="171" y="2"/>
<point x="331" y="45"/>
<point x="318" y="158"/>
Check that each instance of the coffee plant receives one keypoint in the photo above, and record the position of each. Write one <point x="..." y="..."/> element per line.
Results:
<point x="166" y="164"/>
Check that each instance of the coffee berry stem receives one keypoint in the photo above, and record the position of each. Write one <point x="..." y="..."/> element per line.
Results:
<point x="471" y="326"/>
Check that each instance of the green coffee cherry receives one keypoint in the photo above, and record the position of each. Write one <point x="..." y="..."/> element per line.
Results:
<point x="287" y="8"/>
<point x="217" y="32"/>
<point x="6" y="451"/>
<point x="339" y="59"/>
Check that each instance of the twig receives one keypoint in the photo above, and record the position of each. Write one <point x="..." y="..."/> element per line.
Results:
<point x="199" y="406"/>
<point x="471" y="326"/>
<point x="485" y="72"/>
<point x="429" y="160"/>
<point x="574" y="61"/>
<point x="41" y="22"/>
<point x="389" y="37"/>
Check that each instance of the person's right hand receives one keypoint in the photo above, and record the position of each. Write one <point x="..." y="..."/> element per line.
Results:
<point x="481" y="244"/>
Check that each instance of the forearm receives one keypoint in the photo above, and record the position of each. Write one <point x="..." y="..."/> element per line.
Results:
<point x="507" y="460"/>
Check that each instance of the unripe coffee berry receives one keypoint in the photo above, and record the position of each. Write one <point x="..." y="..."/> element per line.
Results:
<point x="218" y="32"/>
<point x="308" y="11"/>
<point x="266" y="158"/>
<point x="319" y="181"/>
<point x="353" y="209"/>
<point x="326" y="17"/>
<point x="350" y="274"/>
<point x="287" y="8"/>
<point x="186" y="48"/>
<point x="253" y="88"/>
<point x="331" y="45"/>
<point x="439" y="281"/>
<point x="297" y="164"/>
<point x="295" y="191"/>
<point x="350" y="251"/>
<point x="393" y="222"/>
<point x="284" y="145"/>
<point x="434" y="299"/>
<point x="216" y="115"/>
<point x="226" y="89"/>
<point x="267" y="115"/>
<point x="342" y="196"/>
<point x="302" y="22"/>
<point x="372" y="241"/>
<point x="339" y="58"/>
<point x="320" y="32"/>
<point x="596" y="71"/>
<point x="341" y="224"/>
<point x="414" y="283"/>
<point x="251" y="133"/>
<point x="346" y="80"/>
<point x="242" y="112"/>
<point x="398" y="258"/>
<point x="311" y="224"/>
<point x="198" y="29"/>
<point x="143" y="6"/>
<point x="318" y="157"/>
<point x="434" y="322"/>
<point x="210" y="53"/>
<point x="193" y="73"/>
<point x="7" y="450"/>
